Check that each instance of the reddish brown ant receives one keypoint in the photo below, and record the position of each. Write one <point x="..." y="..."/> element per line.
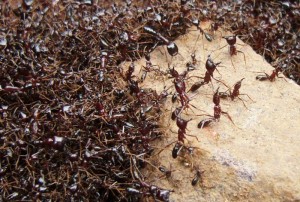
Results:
<point x="235" y="92"/>
<point x="274" y="74"/>
<point x="217" y="112"/>
<point x="210" y="68"/>
<point x="179" y="83"/>
<point x="231" y="41"/>
<point x="182" y="125"/>
<point x="149" y="67"/>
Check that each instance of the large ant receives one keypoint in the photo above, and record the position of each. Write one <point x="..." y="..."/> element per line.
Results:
<point x="217" y="112"/>
<point x="180" y="86"/>
<point x="182" y="124"/>
<point x="231" y="41"/>
<point x="235" y="92"/>
<point x="210" y="68"/>
<point x="171" y="46"/>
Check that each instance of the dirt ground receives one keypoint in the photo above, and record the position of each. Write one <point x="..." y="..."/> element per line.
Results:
<point x="254" y="159"/>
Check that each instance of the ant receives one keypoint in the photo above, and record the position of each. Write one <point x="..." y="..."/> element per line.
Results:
<point x="178" y="147"/>
<point x="231" y="41"/>
<point x="197" y="177"/>
<point x="192" y="65"/>
<point x="274" y="74"/>
<point x="182" y="124"/>
<point x="129" y="72"/>
<point x="150" y="190"/>
<point x="235" y="92"/>
<point x="208" y="37"/>
<point x="165" y="171"/>
<point x="217" y="112"/>
<point x="148" y="67"/>
<point x="180" y="86"/>
<point x="171" y="46"/>
<point x="210" y="68"/>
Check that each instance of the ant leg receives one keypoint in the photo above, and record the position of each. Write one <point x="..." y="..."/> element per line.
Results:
<point x="196" y="108"/>
<point x="248" y="97"/>
<point x="220" y="82"/>
<point x="193" y="136"/>
<point x="228" y="116"/>
<point x="220" y="48"/>
<point x="243" y="102"/>
<point x="243" y="55"/>
<point x="205" y="115"/>
<point x="232" y="63"/>
<point x="165" y="147"/>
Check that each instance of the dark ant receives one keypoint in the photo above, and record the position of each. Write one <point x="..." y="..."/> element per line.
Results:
<point x="274" y="74"/>
<point x="217" y="112"/>
<point x="165" y="171"/>
<point x="208" y="37"/>
<point x="205" y="122"/>
<point x="197" y="178"/>
<point x="156" y="192"/>
<point x="235" y="92"/>
<point x="178" y="147"/>
<point x="171" y="46"/>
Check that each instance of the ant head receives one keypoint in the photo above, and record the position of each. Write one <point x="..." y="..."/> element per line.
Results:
<point x="231" y="40"/>
<point x="173" y="72"/>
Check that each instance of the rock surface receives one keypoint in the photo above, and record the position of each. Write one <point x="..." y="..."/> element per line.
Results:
<point x="256" y="158"/>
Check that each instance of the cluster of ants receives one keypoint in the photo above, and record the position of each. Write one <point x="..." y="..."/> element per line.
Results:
<point x="271" y="28"/>
<point x="71" y="118"/>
